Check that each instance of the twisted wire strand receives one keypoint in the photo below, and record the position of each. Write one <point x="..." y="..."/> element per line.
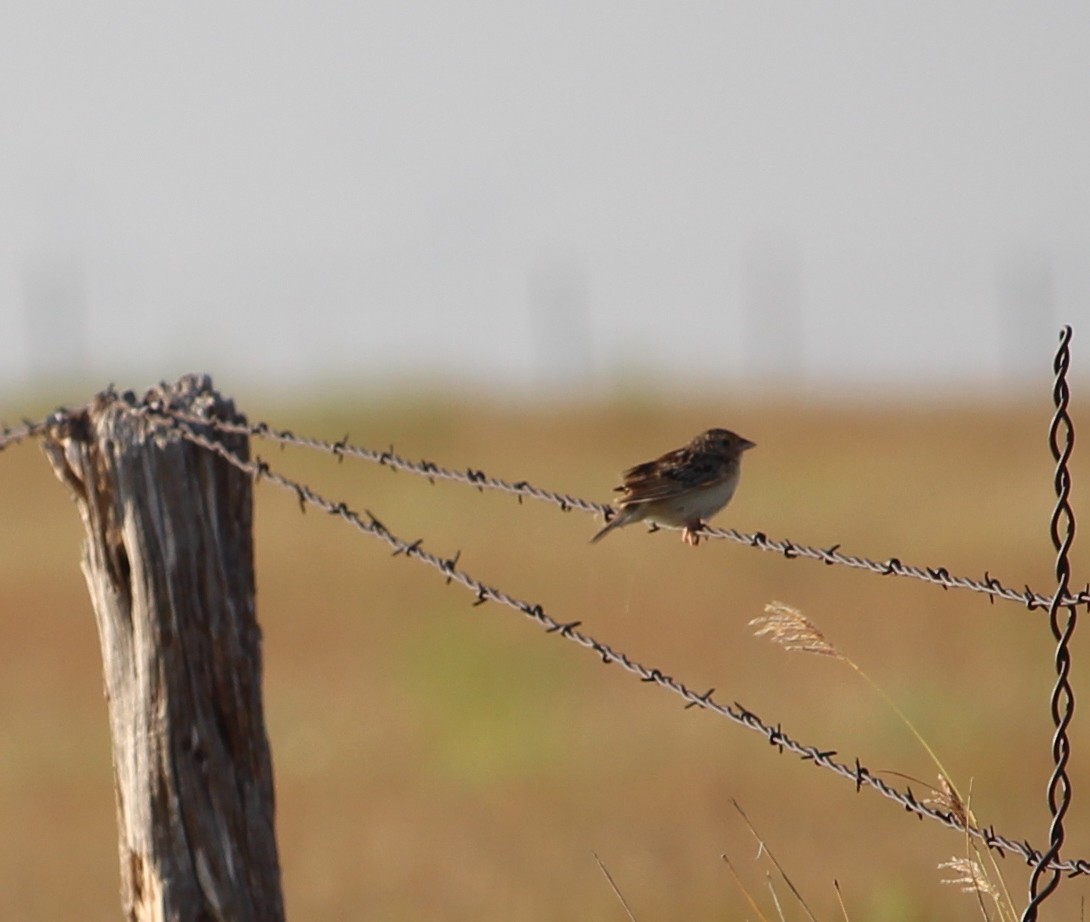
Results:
<point x="13" y="435"/>
<point x="368" y="524"/>
<point x="939" y="576"/>
<point x="1062" y="619"/>
<point x="831" y="556"/>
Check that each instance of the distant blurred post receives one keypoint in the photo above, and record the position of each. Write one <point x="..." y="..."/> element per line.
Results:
<point x="559" y="303"/>
<point x="772" y="295"/>
<point x="56" y="314"/>
<point x="1026" y="307"/>
<point x="169" y="565"/>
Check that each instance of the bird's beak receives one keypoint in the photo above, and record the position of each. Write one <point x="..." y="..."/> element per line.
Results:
<point x="747" y="444"/>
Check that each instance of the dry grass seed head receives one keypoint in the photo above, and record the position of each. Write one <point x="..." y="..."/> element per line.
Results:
<point x="793" y="631"/>
<point x="973" y="879"/>
<point x="947" y="800"/>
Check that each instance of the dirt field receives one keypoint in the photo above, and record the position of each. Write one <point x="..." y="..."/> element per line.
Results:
<point x="439" y="761"/>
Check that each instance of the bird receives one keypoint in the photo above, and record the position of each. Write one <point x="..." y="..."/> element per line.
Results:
<point x="682" y="487"/>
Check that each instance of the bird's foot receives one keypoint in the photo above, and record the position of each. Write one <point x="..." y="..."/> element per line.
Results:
<point x="690" y="534"/>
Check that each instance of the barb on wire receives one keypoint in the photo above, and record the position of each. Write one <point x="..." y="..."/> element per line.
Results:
<point x="939" y="576"/>
<point x="395" y="462"/>
<point x="1061" y="437"/>
<point x="13" y="435"/>
<point x="858" y="774"/>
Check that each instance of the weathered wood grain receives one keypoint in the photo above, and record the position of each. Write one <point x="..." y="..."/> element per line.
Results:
<point x="168" y="560"/>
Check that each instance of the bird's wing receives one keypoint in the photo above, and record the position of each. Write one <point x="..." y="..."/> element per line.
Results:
<point x="673" y="473"/>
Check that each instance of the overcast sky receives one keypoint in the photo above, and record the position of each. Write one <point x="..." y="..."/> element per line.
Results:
<point x="566" y="193"/>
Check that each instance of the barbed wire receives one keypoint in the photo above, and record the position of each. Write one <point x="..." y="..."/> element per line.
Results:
<point x="370" y="525"/>
<point x="1062" y="621"/>
<point x="892" y="566"/>
<point x="831" y="556"/>
<point x="13" y="435"/>
<point x="789" y="549"/>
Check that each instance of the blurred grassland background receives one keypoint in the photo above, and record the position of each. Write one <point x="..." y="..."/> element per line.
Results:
<point x="435" y="760"/>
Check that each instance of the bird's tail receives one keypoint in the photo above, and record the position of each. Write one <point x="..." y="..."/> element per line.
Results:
<point x="619" y="520"/>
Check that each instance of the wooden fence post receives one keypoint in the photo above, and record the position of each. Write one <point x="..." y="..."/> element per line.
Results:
<point x="168" y="560"/>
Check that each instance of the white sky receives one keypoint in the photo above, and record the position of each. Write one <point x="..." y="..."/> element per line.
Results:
<point x="568" y="193"/>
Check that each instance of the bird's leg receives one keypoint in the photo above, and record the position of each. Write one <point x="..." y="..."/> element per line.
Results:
<point x="690" y="534"/>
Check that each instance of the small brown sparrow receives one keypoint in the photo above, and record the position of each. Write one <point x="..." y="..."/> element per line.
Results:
<point x="683" y="487"/>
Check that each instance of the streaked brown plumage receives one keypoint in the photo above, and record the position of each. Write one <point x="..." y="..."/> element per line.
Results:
<point x="683" y="487"/>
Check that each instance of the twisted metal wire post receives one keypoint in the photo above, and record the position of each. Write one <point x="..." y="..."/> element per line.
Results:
<point x="1062" y="619"/>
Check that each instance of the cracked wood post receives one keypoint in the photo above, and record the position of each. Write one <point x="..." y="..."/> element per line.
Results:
<point x="168" y="560"/>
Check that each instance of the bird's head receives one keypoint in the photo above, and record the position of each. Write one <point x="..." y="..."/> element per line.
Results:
<point x="723" y="442"/>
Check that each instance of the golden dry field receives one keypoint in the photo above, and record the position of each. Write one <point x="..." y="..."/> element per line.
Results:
<point x="436" y="760"/>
